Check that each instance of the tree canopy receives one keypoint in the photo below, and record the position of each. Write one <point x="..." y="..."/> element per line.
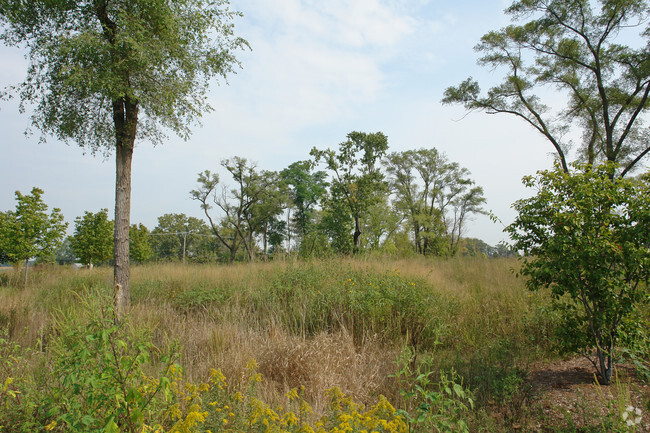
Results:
<point x="93" y="60"/>
<point x="92" y="241"/>
<point x="357" y="181"/>
<point x="573" y="47"/>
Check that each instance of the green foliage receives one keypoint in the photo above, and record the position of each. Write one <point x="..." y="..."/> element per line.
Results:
<point x="441" y="406"/>
<point x="29" y="231"/>
<point x="575" y="47"/>
<point x="383" y="305"/>
<point x="140" y="243"/>
<point x="87" y="57"/>
<point x="585" y="236"/>
<point x="10" y="363"/>
<point x="92" y="241"/>
<point x="178" y="237"/>
<point x="249" y="208"/>
<point x="434" y="196"/>
<point x="64" y="254"/>
<point x="99" y="380"/>
<point x="306" y="188"/>
<point x="357" y="182"/>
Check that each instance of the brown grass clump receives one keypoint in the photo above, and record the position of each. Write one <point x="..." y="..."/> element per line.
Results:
<point x="325" y="361"/>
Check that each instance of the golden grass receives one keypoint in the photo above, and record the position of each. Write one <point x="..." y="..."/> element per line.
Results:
<point x="488" y="303"/>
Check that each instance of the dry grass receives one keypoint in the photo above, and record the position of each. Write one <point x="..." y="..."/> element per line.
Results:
<point x="481" y="301"/>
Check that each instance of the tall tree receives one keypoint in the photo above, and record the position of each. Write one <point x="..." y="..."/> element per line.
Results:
<point x="435" y="196"/>
<point x="247" y="208"/>
<point x="29" y="231"/>
<point x="104" y="73"/>
<point x="92" y="241"/>
<point x="306" y="188"/>
<point x="572" y="46"/>
<point x="357" y="178"/>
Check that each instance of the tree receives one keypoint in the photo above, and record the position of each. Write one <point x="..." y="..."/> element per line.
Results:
<point x="585" y="236"/>
<point x="255" y="200"/>
<point x="92" y="241"/>
<point x="306" y="188"/>
<point x="29" y="231"/>
<point x="140" y="248"/>
<point x="177" y="237"/>
<point x="572" y="46"/>
<point x="357" y="181"/>
<point x="64" y="254"/>
<point x="435" y="197"/>
<point x="105" y="73"/>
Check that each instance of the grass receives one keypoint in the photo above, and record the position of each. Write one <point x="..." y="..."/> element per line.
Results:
<point x="318" y="324"/>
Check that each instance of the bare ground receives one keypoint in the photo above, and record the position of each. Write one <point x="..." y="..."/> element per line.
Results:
<point x="568" y="398"/>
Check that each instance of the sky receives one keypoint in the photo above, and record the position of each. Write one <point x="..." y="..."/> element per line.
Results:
<point x="316" y="71"/>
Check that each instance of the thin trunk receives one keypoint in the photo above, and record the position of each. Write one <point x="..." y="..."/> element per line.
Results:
<point x="26" y="267"/>
<point x="265" y="238"/>
<point x="289" y="230"/>
<point x="605" y="361"/>
<point x="184" y="243"/>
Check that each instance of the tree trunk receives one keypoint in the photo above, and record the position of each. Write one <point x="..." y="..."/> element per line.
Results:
<point x="26" y="268"/>
<point x="357" y="234"/>
<point x="121" y="271"/>
<point x="125" y="117"/>
<point x="265" y="241"/>
<point x="605" y="362"/>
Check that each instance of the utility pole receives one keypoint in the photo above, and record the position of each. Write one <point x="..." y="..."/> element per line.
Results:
<point x="184" y="242"/>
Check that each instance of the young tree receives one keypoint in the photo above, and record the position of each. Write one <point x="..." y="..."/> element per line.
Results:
<point x="357" y="181"/>
<point x="92" y="241"/>
<point x="140" y="248"/>
<point x="572" y="46"/>
<point x="29" y="231"/>
<point x="585" y="236"/>
<point x="105" y="73"/>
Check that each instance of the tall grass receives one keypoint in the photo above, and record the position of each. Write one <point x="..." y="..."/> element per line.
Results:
<point x="314" y="324"/>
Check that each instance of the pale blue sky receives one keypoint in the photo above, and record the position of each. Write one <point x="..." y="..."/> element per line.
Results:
<point x="317" y="70"/>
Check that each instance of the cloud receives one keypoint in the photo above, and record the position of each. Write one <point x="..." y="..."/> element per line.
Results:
<point x="312" y="62"/>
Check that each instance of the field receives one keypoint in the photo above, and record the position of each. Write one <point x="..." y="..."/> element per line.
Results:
<point x="452" y="345"/>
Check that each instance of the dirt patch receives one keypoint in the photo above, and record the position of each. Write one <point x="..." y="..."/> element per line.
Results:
<point x="568" y="395"/>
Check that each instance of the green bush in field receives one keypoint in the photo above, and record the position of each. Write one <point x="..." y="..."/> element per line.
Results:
<point x="585" y="237"/>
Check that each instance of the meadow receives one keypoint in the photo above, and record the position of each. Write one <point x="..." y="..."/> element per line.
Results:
<point x="335" y="345"/>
